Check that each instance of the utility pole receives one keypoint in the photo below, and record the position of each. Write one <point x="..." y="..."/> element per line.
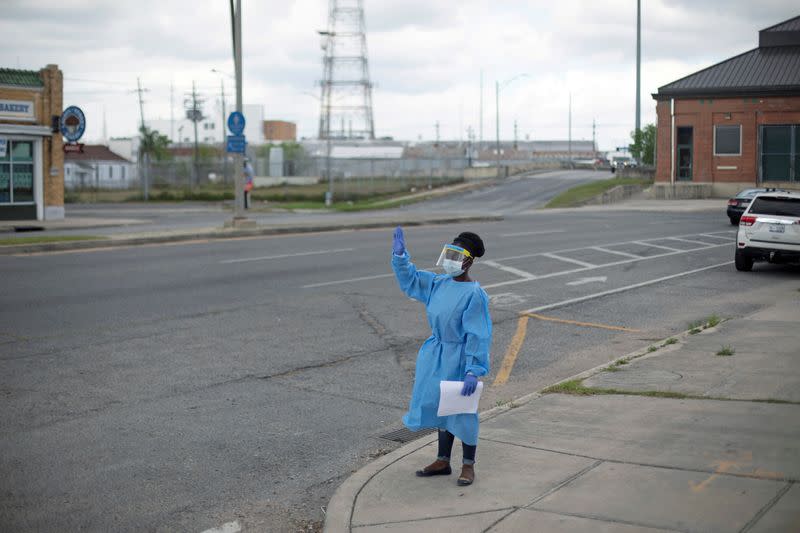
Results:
<point x="171" y="111"/>
<point x="570" y="130"/>
<point x="515" y="134"/>
<point x="437" y="133"/>
<point x="194" y="112"/>
<point x="144" y="157"/>
<point x="480" y="138"/>
<point x="497" y="125"/>
<point x="638" y="67"/>
<point x="594" y="137"/>
<point x="224" y="115"/>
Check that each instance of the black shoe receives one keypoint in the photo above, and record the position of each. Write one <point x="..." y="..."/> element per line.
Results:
<point x="436" y="468"/>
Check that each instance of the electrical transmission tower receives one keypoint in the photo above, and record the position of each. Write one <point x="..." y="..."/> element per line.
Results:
<point x="346" y="102"/>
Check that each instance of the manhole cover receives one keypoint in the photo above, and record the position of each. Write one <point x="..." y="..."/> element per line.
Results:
<point x="404" y="435"/>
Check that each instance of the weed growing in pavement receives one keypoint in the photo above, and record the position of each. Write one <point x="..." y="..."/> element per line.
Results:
<point x="577" y="388"/>
<point x="652" y="349"/>
<point x="616" y="366"/>
<point x="697" y="324"/>
<point x="694" y="331"/>
<point x="671" y="340"/>
<point x="713" y="321"/>
<point x="726" y="350"/>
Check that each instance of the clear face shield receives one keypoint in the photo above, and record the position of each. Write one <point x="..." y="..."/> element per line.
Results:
<point x="452" y="258"/>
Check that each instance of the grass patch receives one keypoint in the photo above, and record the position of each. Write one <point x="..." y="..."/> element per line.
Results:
<point x="355" y="190"/>
<point x="713" y="321"/>
<point x="48" y="238"/>
<point x="578" y="195"/>
<point x="652" y="349"/>
<point x="726" y="350"/>
<point x="671" y="340"/>
<point x="694" y="331"/>
<point x="576" y="387"/>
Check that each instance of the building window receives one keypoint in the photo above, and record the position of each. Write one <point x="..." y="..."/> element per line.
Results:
<point x="16" y="173"/>
<point x="780" y="153"/>
<point x="728" y="140"/>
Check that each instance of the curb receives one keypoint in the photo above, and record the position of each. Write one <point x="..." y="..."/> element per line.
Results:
<point x="234" y="233"/>
<point x="338" y="515"/>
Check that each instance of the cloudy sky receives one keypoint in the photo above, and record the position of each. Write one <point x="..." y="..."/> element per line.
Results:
<point x="426" y="58"/>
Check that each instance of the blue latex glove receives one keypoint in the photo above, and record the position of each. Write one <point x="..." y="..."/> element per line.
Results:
<point x="399" y="242"/>
<point x="470" y="384"/>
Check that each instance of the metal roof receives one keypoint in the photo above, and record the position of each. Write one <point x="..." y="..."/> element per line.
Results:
<point x="21" y="78"/>
<point x="787" y="25"/>
<point x="760" y="71"/>
<point x="772" y="68"/>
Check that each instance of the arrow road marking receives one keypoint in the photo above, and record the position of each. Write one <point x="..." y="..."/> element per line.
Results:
<point x="582" y="281"/>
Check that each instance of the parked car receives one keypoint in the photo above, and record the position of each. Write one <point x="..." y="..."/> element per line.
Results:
<point x="739" y="203"/>
<point x="769" y="230"/>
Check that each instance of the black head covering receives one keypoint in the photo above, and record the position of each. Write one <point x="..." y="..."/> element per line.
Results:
<point x="471" y="242"/>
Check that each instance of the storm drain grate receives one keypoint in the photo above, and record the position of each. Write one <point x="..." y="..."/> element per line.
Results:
<point x="404" y="435"/>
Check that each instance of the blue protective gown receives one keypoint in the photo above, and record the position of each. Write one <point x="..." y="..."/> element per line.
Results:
<point x="458" y="313"/>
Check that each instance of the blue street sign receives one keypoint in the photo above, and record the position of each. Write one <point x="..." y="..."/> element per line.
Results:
<point x="236" y="144"/>
<point x="236" y="123"/>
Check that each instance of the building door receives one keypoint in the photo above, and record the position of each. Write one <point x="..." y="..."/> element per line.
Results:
<point x="684" y="153"/>
<point x="16" y="181"/>
<point x="780" y="153"/>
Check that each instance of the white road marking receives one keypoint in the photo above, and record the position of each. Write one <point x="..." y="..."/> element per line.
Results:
<point x="715" y="237"/>
<point x="510" y="270"/>
<point x="352" y="280"/>
<point x="655" y="245"/>
<point x="282" y="256"/>
<point x="617" y="263"/>
<point x="624" y="254"/>
<point x="688" y="240"/>
<point x="622" y="289"/>
<point x="543" y="232"/>
<point x="523" y="256"/>
<point x="569" y="260"/>
<point x="583" y="281"/>
<point x="228" y="527"/>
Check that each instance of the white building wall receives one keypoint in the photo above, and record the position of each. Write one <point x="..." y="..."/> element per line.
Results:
<point x="102" y="174"/>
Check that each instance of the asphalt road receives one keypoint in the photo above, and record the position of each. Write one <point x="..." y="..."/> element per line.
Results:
<point x="179" y="387"/>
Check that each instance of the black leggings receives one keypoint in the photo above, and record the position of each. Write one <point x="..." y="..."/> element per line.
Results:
<point x="446" y="440"/>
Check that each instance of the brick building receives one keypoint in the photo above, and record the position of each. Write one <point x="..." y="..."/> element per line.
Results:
<point x="735" y="124"/>
<point x="279" y="131"/>
<point x="31" y="155"/>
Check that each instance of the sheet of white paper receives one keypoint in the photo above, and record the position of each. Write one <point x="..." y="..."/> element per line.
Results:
<point x="452" y="403"/>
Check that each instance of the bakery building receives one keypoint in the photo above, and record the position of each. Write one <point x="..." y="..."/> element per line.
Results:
<point x="31" y="155"/>
<point x="735" y="124"/>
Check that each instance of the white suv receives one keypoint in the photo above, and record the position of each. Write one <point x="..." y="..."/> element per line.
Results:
<point x="769" y="230"/>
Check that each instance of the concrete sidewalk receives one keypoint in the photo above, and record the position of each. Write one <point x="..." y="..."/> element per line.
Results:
<point x="676" y="438"/>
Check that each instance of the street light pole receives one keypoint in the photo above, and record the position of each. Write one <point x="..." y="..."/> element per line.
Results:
<point x="497" y="87"/>
<point x="497" y="125"/>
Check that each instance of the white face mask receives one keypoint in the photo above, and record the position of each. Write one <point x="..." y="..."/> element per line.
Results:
<point x="452" y="268"/>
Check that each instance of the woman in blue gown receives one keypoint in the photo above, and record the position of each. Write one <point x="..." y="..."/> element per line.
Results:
<point x="458" y="349"/>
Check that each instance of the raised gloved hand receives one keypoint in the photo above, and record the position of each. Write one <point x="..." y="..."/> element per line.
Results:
<point x="470" y="384"/>
<point x="399" y="242"/>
